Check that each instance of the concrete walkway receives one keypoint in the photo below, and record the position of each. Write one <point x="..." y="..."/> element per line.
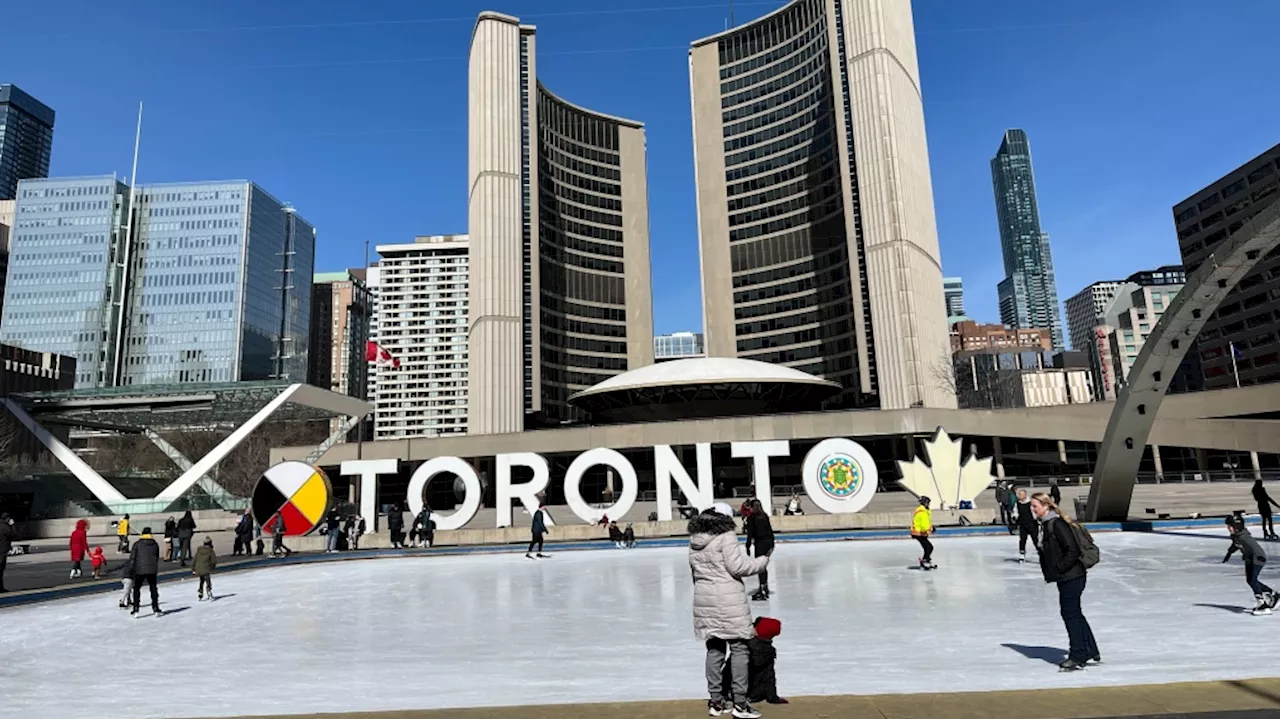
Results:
<point x="1252" y="699"/>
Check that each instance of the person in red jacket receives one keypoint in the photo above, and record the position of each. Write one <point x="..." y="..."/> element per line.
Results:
<point x="99" y="562"/>
<point x="79" y="546"/>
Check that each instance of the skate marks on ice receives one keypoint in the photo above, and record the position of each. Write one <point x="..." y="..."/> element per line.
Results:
<point x="1051" y="655"/>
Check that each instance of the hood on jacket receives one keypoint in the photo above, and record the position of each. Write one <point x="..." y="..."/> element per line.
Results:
<point x="707" y="526"/>
<point x="82" y="525"/>
<point x="767" y="627"/>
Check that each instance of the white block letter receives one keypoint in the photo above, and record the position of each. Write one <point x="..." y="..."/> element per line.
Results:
<point x="526" y="492"/>
<point x="465" y="472"/>
<point x="667" y="467"/>
<point x="587" y="460"/>
<point x="840" y="476"/>
<point x="368" y="471"/>
<point x="761" y="452"/>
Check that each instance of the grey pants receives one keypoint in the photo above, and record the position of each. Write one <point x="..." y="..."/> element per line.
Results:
<point x="738" y="660"/>
<point x="127" y="597"/>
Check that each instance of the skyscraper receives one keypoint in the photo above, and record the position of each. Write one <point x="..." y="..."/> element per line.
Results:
<point x="819" y="246"/>
<point x="1029" y="292"/>
<point x="26" y="139"/>
<point x="340" y="314"/>
<point x="211" y="282"/>
<point x="559" y="228"/>
<point x="953" y="291"/>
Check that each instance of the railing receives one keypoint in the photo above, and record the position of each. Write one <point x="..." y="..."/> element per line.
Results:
<point x="95" y="508"/>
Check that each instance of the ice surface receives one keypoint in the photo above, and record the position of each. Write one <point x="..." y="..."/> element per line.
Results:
<point x="615" y="625"/>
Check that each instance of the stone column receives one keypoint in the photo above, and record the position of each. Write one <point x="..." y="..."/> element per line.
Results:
<point x="998" y="457"/>
<point x="1155" y="458"/>
<point x="1253" y="462"/>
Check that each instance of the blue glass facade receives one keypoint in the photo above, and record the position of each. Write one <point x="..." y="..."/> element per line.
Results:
<point x="218" y="289"/>
<point x="1029" y="292"/>
<point x="26" y="139"/>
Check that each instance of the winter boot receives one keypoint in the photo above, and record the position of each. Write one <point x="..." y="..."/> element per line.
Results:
<point x="715" y="707"/>
<point x="744" y="711"/>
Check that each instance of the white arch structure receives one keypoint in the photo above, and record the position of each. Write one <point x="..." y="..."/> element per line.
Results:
<point x="1138" y="403"/>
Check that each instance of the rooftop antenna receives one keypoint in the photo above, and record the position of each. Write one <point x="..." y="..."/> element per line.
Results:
<point x="117" y="378"/>
<point x="730" y="13"/>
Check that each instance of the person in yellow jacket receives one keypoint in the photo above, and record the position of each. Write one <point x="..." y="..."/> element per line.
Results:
<point x="921" y="528"/>
<point x="122" y="533"/>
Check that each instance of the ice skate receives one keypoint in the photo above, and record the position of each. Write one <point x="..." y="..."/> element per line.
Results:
<point x="1070" y="665"/>
<point x="1022" y="557"/>
<point x="1272" y="599"/>
<point x="528" y="556"/>
<point x="1095" y="659"/>
<point x="543" y="556"/>
<point x="744" y="711"/>
<point x="715" y="708"/>
<point x="928" y="564"/>
<point x="1263" y="607"/>
<point x="759" y="596"/>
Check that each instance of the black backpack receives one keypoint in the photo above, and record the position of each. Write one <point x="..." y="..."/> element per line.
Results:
<point x="1089" y="554"/>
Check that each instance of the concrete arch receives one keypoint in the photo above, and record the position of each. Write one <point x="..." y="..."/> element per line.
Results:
<point x="1138" y="403"/>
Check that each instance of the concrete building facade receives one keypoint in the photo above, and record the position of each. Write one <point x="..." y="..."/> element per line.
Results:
<point x="1086" y="310"/>
<point x="819" y="246"/>
<point x="423" y="300"/>
<point x="340" y="315"/>
<point x="1130" y="320"/>
<point x="1247" y="325"/>
<point x="559" y="225"/>
<point x="970" y="335"/>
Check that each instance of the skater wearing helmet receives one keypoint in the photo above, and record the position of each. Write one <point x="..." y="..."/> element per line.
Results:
<point x="921" y="528"/>
<point x="721" y="614"/>
<point x="1254" y="559"/>
<point x="1060" y="562"/>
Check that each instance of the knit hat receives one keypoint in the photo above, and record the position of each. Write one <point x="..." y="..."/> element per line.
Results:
<point x="768" y="627"/>
<point x="208" y="541"/>
<point x="722" y="508"/>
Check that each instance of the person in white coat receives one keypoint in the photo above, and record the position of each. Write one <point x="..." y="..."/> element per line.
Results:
<point x="721" y="613"/>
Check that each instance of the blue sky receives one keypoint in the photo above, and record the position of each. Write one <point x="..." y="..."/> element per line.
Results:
<point x="355" y="112"/>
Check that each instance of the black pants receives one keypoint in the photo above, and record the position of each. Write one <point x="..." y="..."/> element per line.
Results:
<point x="1024" y="532"/>
<point x="238" y="547"/>
<point x="206" y="585"/>
<point x="185" y="551"/>
<point x="1268" y="527"/>
<point x="150" y="580"/>
<point x="123" y="546"/>
<point x="1251" y="572"/>
<point x="277" y="546"/>
<point x="1079" y="634"/>
<point x="759" y="550"/>
<point x="4" y="560"/>
<point x="535" y="541"/>
<point x="397" y="537"/>
<point x="927" y="546"/>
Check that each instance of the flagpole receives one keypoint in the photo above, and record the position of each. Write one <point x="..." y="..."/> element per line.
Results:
<point x="364" y="316"/>
<point x="1235" y="370"/>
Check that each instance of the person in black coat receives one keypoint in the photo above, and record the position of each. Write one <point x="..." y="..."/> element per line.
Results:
<point x="1060" y="564"/>
<point x="1002" y="500"/>
<point x="7" y="535"/>
<point x="170" y="540"/>
<point x="1254" y="560"/>
<point x="762" y="675"/>
<point x="186" y="530"/>
<point x="333" y="529"/>
<point x="1027" y="526"/>
<point x="759" y="533"/>
<point x="1265" y="502"/>
<point x="1054" y="493"/>
<point x="244" y="534"/>
<point x="395" y="526"/>
<point x="145" y="559"/>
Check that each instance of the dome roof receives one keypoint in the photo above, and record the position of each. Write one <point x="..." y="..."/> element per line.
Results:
<point x="704" y="370"/>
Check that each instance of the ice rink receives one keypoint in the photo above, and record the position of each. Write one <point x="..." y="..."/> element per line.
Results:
<point x="602" y="626"/>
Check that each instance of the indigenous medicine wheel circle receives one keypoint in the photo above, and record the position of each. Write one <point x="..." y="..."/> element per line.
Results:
<point x="840" y="476"/>
<point x="294" y="492"/>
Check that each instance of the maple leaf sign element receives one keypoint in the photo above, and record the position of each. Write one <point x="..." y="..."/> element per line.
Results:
<point x="944" y="479"/>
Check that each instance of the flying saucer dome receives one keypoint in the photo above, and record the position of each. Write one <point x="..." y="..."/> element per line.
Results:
<point x="703" y="387"/>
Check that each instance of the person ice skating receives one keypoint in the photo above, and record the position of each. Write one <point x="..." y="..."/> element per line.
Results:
<point x="202" y="566"/>
<point x="1002" y="501"/>
<point x="127" y="578"/>
<point x="1026" y="525"/>
<point x="759" y="533"/>
<point x="1060" y="563"/>
<point x="1054" y="493"/>
<point x="395" y="526"/>
<point x="1265" y="502"/>
<point x="186" y="530"/>
<point x="629" y="537"/>
<point x="762" y="683"/>
<point x="244" y="535"/>
<point x="537" y="528"/>
<point x="1254" y="559"/>
<point x="721" y="613"/>
<point x="98" y="560"/>
<point x="79" y="546"/>
<point x="426" y="531"/>
<point x="921" y="528"/>
<point x="1011" y="499"/>
<point x="122" y="535"/>
<point x="277" y="536"/>
<point x="146" y="565"/>
<point x="170" y="540"/>
<point x="333" y="529"/>
<point x="7" y="535"/>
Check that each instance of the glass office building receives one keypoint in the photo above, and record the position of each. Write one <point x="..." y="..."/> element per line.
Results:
<point x="26" y="139"/>
<point x="217" y="289"/>
<point x="678" y="345"/>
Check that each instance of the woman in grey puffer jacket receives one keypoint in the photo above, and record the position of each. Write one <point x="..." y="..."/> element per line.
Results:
<point x="721" y="614"/>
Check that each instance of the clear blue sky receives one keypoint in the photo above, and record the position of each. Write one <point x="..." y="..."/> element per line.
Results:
<point x="355" y="112"/>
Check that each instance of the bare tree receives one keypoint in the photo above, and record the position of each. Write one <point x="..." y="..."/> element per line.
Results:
<point x="943" y="372"/>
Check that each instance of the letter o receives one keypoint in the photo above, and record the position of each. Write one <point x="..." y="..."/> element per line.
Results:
<point x="834" y="500"/>
<point x="589" y="459"/>
<point x="470" y="502"/>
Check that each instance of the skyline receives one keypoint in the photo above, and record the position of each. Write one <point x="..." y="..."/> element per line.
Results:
<point x="1099" y="196"/>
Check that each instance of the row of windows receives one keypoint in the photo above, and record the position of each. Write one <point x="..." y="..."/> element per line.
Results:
<point x="194" y="195"/>
<point x="573" y="179"/>
<point x="805" y="118"/>
<point x="773" y="324"/>
<point x="833" y="295"/>
<point x="800" y="154"/>
<point x="819" y="194"/>
<point x="806" y="184"/>
<point x="1261" y="173"/>
<point x="780" y="249"/>
<point x="838" y="273"/>
<point x="551" y="187"/>
<point x="58" y="258"/>
<point x="574" y="148"/>
<point x="558" y="224"/>
<point x="551" y="253"/>
<point x="188" y="210"/>
<point x="556" y="339"/>
<point x="773" y="179"/>
<point x="554" y="303"/>
<point x="557" y="321"/>
<point x="769" y="33"/>
<point x="62" y="222"/>
<point x="557" y="207"/>
<point x="812" y="214"/>
<point x="551" y="235"/>
<point x="568" y="359"/>
<point x="819" y="78"/>
<point x="574" y="123"/>
<point x="605" y="289"/>
<point x="803" y="353"/>
<point x="76" y="206"/>
<point x="38" y="190"/>
<point x="554" y="156"/>
<point x="772" y="86"/>
<point x="785" y="143"/>
<point x="571" y="377"/>
<point x="816" y="43"/>
<point x="170" y="299"/>
<point x="188" y="279"/>
<point x="817" y="96"/>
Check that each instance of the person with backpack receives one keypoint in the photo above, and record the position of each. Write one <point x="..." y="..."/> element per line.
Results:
<point x="1254" y="560"/>
<point x="1066" y="553"/>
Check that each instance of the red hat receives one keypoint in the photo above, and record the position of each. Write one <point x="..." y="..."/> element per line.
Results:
<point x="768" y="627"/>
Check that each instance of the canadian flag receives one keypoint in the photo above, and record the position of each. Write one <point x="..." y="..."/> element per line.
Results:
<point x="374" y="352"/>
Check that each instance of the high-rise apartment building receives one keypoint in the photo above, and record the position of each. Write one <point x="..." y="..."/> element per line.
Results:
<point x="1128" y="323"/>
<point x="1248" y="321"/>
<point x="339" y="330"/>
<point x="422" y="323"/>
<point x="26" y="139"/>
<point x="6" y="230"/>
<point x="1029" y="292"/>
<point x="819" y="246"/>
<point x="678" y="345"/>
<point x="1087" y="308"/>
<point x="953" y="292"/>
<point x="559" y="228"/>
<point x="201" y="282"/>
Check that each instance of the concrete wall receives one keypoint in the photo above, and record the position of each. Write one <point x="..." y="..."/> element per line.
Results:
<point x="100" y="528"/>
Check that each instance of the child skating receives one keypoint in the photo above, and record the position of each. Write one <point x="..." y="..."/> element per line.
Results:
<point x="99" y="562"/>
<point x="921" y="528"/>
<point x="205" y="561"/>
<point x="1254" y="559"/>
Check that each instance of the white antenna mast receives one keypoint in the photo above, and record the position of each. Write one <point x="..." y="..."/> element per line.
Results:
<point x="118" y="359"/>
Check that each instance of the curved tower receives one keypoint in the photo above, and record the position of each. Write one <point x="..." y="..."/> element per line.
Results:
<point x="818" y="242"/>
<point x="559" y="224"/>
